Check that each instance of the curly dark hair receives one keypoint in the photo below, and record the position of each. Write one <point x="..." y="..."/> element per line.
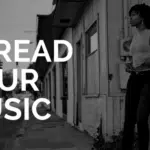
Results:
<point x="144" y="11"/>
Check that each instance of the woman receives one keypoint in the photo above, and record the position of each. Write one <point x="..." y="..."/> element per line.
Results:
<point x="137" y="105"/>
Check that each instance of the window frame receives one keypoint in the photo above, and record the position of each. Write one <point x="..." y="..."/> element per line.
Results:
<point x="94" y="28"/>
<point x="89" y="33"/>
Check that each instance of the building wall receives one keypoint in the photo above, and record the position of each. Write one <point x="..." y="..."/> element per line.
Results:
<point x="118" y="29"/>
<point x="51" y="86"/>
<point x="108" y="102"/>
<point x="93" y="106"/>
<point x="68" y="37"/>
<point x="113" y="27"/>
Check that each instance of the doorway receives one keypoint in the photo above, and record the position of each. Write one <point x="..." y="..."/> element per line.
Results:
<point x="79" y="85"/>
<point x="64" y="97"/>
<point x="54" y="87"/>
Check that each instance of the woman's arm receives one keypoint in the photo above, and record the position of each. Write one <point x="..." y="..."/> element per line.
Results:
<point x="147" y="60"/>
<point x="127" y="43"/>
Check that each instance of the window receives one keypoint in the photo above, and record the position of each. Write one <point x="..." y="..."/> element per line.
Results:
<point x="92" y="39"/>
<point x="93" y="42"/>
<point x="92" y="61"/>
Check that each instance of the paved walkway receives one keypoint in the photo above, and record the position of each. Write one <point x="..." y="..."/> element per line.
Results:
<point x="52" y="134"/>
<point x="8" y="130"/>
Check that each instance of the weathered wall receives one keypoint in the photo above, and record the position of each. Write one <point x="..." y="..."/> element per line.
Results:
<point x="113" y="26"/>
<point x="118" y="29"/>
<point x="68" y="37"/>
<point x="115" y="115"/>
<point x="93" y="106"/>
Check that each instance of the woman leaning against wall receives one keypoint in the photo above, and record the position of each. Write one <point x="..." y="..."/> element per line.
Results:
<point x="137" y="105"/>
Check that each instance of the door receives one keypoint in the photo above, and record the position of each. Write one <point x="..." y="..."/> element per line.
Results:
<point x="54" y="85"/>
<point x="79" y="84"/>
<point x="64" y="88"/>
<point x="50" y="89"/>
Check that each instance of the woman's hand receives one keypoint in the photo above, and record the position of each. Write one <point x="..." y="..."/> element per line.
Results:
<point x="129" y="67"/>
<point x="147" y="62"/>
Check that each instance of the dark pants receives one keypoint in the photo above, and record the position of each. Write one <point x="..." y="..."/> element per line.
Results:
<point x="137" y="110"/>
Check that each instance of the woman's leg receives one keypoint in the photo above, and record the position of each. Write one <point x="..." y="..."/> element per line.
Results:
<point x="142" y="117"/>
<point x="131" y="104"/>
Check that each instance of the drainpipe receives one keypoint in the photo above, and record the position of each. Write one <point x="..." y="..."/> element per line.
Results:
<point x="122" y="32"/>
<point x="73" y="59"/>
<point x="127" y="27"/>
<point x="106" y="5"/>
<point x="125" y="17"/>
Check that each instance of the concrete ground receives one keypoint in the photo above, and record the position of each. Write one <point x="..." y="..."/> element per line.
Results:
<point x="52" y="134"/>
<point x="8" y="130"/>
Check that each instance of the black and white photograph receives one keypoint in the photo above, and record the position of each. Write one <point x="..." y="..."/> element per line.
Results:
<point x="74" y="74"/>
